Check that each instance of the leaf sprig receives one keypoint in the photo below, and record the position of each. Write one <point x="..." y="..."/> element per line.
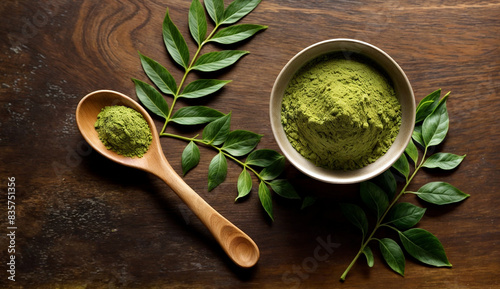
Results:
<point x="379" y="195"/>
<point x="266" y="165"/>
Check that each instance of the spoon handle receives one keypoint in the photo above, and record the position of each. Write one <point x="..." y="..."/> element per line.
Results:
<point x="237" y="245"/>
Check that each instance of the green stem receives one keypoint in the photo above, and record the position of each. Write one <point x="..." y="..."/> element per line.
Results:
<point x="390" y="227"/>
<point x="379" y="222"/>
<point x="166" y="134"/>
<point x="184" y="77"/>
<point x="342" y="278"/>
<point x="177" y="93"/>
<point x="241" y="163"/>
<point x="200" y="141"/>
<point x="164" y="127"/>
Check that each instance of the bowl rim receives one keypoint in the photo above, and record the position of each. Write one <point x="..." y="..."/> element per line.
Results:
<point x="349" y="46"/>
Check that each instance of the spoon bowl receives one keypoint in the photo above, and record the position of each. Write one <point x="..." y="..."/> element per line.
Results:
<point x="237" y="245"/>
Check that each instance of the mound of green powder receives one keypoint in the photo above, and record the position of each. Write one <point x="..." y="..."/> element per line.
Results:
<point x="123" y="130"/>
<point x="341" y="114"/>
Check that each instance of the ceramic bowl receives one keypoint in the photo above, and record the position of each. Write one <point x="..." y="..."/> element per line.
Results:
<point x="401" y="86"/>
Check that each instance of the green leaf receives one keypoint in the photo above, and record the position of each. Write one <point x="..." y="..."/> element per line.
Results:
<point x="244" y="184"/>
<point x="236" y="33"/>
<point x="197" y="22"/>
<point x="412" y="151"/>
<point x="417" y="135"/>
<point x="387" y="183"/>
<point x="216" y="132"/>
<point x="190" y="157"/>
<point x="159" y="75"/>
<point x="393" y="255"/>
<point x="216" y="60"/>
<point x="192" y="115"/>
<point x="440" y="193"/>
<point x="273" y="170"/>
<point x="202" y="87"/>
<point x="215" y="9"/>
<point x="151" y="98"/>
<point x="444" y="161"/>
<point x="241" y="142"/>
<point x="427" y="105"/>
<point x="217" y="171"/>
<point x="435" y="126"/>
<point x="424" y="109"/>
<point x="374" y="197"/>
<point x="356" y="216"/>
<point x="405" y="215"/>
<point x="284" y="189"/>
<point x="367" y="251"/>
<point x="238" y="9"/>
<point x="308" y="201"/>
<point x="402" y="166"/>
<point x="425" y="247"/>
<point x="265" y="199"/>
<point x="262" y="157"/>
<point x="175" y="43"/>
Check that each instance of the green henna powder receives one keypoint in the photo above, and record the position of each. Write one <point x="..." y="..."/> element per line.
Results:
<point x="341" y="114"/>
<point x="123" y="130"/>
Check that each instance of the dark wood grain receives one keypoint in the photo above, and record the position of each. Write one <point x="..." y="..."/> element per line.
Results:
<point x="85" y="222"/>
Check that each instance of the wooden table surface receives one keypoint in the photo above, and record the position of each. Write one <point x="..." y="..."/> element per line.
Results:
<point x="85" y="222"/>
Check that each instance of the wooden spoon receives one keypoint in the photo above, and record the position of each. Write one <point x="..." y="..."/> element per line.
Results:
<point x="238" y="246"/>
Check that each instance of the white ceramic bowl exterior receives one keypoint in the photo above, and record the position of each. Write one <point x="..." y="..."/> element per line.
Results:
<point x="403" y="91"/>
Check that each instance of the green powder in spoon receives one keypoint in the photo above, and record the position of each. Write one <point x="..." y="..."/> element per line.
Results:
<point x="340" y="114"/>
<point x="123" y="130"/>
